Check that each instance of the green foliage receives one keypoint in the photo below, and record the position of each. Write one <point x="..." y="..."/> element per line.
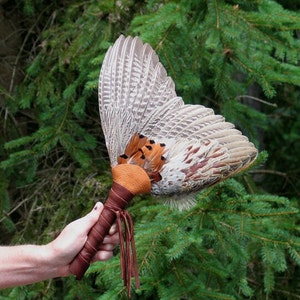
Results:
<point x="284" y="136"/>
<point x="232" y="234"/>
<point x="263" y="47"/>
<point x="241" y="57"/>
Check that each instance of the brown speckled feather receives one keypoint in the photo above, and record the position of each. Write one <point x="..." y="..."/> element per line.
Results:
<point x="137" y="97"/>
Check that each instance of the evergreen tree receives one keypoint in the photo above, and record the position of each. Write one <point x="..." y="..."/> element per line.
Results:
<point x="241" y="58"/>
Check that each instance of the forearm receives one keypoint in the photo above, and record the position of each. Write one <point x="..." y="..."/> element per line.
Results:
<point x="21" y="265"/>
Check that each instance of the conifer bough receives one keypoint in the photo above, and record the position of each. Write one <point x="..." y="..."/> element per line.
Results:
<point x="156" y="144"/>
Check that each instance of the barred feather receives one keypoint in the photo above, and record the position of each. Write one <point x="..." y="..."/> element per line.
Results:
<point x="137" y="96"/>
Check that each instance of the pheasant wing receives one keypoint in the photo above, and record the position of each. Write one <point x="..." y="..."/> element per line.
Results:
<point x="132" y="86"/>
<point x="137" y="96"/>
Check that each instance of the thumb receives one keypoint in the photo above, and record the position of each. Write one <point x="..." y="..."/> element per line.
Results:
<point x="92" y="217"/>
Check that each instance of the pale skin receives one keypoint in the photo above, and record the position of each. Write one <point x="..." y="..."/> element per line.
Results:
<point x="26" y="264"/>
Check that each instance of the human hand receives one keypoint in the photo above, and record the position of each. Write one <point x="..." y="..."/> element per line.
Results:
<point x="67" y="245"/>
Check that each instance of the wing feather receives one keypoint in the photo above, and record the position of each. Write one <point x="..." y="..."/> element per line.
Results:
<point x="136" y="95"/>
<point x="134" y="83"/>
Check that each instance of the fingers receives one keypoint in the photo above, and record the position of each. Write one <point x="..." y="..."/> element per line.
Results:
<point x="102" y="255"/>
<point x="110" y="242"/>
<point x="113" y="229"/>
<point x="105" y="252"/>
<point x="107" y="247"/>
<point x="112" y="239"/>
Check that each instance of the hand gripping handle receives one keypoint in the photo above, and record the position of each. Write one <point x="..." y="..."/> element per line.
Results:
<point x="117" y="200"/>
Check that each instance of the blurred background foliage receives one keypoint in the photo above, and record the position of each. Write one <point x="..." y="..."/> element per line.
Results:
<point x="240" y="57"/>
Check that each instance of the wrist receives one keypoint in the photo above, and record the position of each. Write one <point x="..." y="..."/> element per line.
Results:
<point x="51" y="260"/>
<point x="44" y="264"/>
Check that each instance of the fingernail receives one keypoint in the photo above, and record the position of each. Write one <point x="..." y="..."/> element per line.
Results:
<point x="97" y="206"/>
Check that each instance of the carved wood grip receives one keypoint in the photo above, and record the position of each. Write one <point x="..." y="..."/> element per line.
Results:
<point x="117" y="200"/>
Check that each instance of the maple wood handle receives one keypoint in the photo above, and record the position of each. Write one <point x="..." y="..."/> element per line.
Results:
<point x="118" y="198"/>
